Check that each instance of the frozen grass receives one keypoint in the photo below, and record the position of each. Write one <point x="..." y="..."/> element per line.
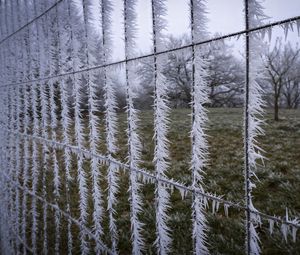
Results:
<point x="278" y="186"/>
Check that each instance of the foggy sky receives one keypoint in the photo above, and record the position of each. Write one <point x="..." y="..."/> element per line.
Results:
<point x="225" y="16"/>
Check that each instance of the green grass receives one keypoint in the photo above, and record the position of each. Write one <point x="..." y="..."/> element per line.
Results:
<point x="278" y="186"/>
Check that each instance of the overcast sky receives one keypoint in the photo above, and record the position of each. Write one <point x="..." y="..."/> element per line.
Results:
<point x="225" y="16"/>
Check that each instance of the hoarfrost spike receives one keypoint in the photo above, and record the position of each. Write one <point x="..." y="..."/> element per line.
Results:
<point x="284" y="230"/>
<point x="270" y="33"/>
<point x="298" y="26"/>
<point x="286" y="28"/>
<point x="294" y="233"/>
<point x="226" y="207"/>
<point x="271" y="226"/>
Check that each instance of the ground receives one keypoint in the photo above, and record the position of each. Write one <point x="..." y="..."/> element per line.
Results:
<point x="278" y="186"/>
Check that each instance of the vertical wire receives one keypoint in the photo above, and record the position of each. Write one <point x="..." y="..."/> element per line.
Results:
<point x="9" y="245"/>
<point x="246" y="132"/>
<point x="112" y="187"/>
<point x="18" y="14"/>
<point x="55" y="163"/>
<point x="68" y="140"/>
<point x="11" y="16"/>
<point x="16" y="145"/>
<point x="27" y="121"/>
<point x="2" y="165"/>
<point x="155" y="110"/>
<point x="132" y="209"/>
<point x="193" y="108"/>
<point x="13" y="143"/>
<point x="17" y="166"/>
<point x="161" y="121"/>
<point x="34" y="167"/>
<point x="67" y="158"/>
<point x="1" y="22"/>
<point x="8" y="138"/>
<point x="44" y="46"/>
<point x="93" y="135"/>
<point x="133" y="140"/>
<point x="6" y="17"/>
<point x="36" y="130"/>
<point x="65" y="118"/>
<point x="9" y="166"/>
<point x="22" y="131"/>
<point x="10" y="170"/>
<point x="13" y="166"/>
<point x="3" y="144"/>
<point x="79" y="134"/>
<point x="26" y="160"/>
<point x="198" y="136"/>
<point x="54" y="137"/>
<point x="8" y="158"/>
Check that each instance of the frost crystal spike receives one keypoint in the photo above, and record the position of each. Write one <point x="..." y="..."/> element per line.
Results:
<point x="199" y="119"/>
<point x="161" y="125"/>
<point x="134" y="143"/>
<point x="254" y="16"/>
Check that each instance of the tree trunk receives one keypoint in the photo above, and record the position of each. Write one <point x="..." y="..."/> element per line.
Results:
<point x="276" y="109"/>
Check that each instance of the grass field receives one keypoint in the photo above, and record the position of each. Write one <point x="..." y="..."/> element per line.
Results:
<point x="279" y="176"/>
<point x="278" y="187"/>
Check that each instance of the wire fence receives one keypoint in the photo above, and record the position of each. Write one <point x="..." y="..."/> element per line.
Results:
<point x="61" y="165"/>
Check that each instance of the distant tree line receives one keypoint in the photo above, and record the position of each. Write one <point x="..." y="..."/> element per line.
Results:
<point x="226" y="76"/>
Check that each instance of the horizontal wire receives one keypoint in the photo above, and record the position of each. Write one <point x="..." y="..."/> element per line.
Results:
<point x="62" y="212"/>
<point x="76" y="150"/>
<point x="169" y="182"/>
<point x="24" y="244"/>
<point x="89" y="154"/>
<point x="270" y="25"/>
<point x="21" y="240"/>
<point x="30" y="22"/>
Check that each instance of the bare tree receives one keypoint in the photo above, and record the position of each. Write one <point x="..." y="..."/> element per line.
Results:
<point x="226" y="74"/>
<point x="280" y="64"/>
<point x="178" y="72"/>
<point x="291" y="89"/>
